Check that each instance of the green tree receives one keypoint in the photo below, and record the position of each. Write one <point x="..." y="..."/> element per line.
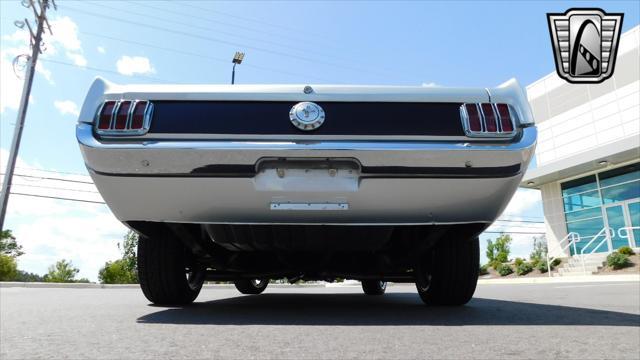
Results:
<point x="24" y="276"/>
<point x="8" y="268"/>
<point x="539" y="251"/>
<point x="8" y="244"/>
<point x="123" y="270"/>
<point x="498" y="251"/>
<point x="62" y="272"/>
<point x="116" y="272"/>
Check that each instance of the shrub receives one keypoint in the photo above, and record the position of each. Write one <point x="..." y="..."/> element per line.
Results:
<point x="8" y="268"/>
<point x="534" y="263"/>
<point x="542" y="266"/>
<point x="518" y="261"/>
<point x="617" y="260"/>
<point x="484" y="269"/>
<point x="23" y="276"/>
<point x="625" y="250"/>
<point x="117" y="272"/>
<point x="499" y="250"/>
<point x="62" y="271"/>
<point x="495" y="264"/>
<point x="555" y="262"/>
<point x="524" y="268"/>
<point x="504" y="269"/>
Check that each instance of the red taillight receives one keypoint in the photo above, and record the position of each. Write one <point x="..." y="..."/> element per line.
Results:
<point x="489" y="117"/>
<point x="505" y="118"/>
<point x="474" y="117"/>
<point x="122" y="116"/>
<point x="137" y="120"/>
<point x="488" y="120"/>
<point x="104" y="118"/>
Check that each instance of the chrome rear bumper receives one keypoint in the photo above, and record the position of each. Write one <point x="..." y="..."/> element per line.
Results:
<point x="223" y="181"/>
<point x="168" y="157"/>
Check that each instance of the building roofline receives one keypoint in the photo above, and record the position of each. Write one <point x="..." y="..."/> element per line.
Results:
<point x="613" y="153"/>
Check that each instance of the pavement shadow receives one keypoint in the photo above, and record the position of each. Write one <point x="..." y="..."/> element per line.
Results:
<point x="404" y="309"/>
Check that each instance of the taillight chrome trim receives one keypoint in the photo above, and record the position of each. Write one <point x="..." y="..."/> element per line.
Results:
<point x="499" y="133"/>
<point x="127" y="131"/>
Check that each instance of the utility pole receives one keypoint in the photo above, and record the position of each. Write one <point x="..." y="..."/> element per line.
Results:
<point x="35" y="41"/>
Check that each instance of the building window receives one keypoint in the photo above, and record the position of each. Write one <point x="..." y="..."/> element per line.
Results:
<point x="609" y="198"/>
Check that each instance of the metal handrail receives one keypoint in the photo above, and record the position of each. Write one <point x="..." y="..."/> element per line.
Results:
<point x="608" y="234"/>
<point x="575" y="237"/>
<point x="628" y="229"/>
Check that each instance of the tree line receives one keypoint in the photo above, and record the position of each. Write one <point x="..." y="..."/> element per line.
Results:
<point x="120" y="271"/>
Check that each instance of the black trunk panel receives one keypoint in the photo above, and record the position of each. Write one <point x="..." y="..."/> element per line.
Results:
<point x="272" y="118"/>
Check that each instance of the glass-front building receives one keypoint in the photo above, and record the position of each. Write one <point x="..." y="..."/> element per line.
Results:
<point x="604" y="209"/>
<point x="588" y="155"/>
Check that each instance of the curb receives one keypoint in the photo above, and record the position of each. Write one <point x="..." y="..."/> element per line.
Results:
<point x="563" y="279"/>
<point x="43" y="285"/>
<point x="347" y="284"/>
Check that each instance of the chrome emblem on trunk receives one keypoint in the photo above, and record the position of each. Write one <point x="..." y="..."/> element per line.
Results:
<point x="306" y="116"/>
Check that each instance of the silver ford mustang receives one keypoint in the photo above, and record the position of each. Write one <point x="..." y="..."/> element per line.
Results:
<point x="250" y="183"/>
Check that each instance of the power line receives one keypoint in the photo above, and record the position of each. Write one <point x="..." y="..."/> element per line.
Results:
<point x="523" y="216"/>
<point x="211" y="39"/>
<point x="51" y="171"/>
<point x="297" y="30"/>
<point x="204" y="28"/>
<point x="50" y="178"/>
<point x="199" y="55"/>
<point x="56" y="188"/>
<point x="521" y="221"/>
<point x="109" y="71"/>
<point x="59" y="198"/>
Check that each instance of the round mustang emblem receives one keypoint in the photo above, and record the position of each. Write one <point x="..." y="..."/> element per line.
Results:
<point x="306" y="116"/>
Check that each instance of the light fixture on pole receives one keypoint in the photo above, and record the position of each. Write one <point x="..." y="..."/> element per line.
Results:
<point x="237" y="59"/>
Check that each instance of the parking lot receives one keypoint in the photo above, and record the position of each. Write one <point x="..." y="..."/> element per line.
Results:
<point x="569" y="320"/>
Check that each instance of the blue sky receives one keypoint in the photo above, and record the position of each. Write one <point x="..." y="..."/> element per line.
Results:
<point x="470" y="43"/>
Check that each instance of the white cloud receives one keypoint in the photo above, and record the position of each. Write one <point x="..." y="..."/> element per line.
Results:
<point x="78" y="59"/>
<point x="67" y="107"/>
<point x="101" y="50"/>
<point x="11" y="85"/>
<point x="523" y="201"/>
<point x="131" y="65"/>
<point x="50" y="230"/>
<point x="430" y="84"/>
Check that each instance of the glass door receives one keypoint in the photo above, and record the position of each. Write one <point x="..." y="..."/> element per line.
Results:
<point x="623" y="219"/>
<point x="633" y="208"/>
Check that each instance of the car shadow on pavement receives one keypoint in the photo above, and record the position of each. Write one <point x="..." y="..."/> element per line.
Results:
<point x="391" y="309"/>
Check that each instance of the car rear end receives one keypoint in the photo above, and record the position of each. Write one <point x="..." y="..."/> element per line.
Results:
<point x="314" y="182"/>
<point x="232" y="155"/>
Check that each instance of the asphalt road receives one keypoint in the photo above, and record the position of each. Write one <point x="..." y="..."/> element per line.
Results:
<point x="580" y="321"/>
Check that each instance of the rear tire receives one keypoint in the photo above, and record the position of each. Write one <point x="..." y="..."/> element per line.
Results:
<point x="451" y="273"/>
<point x="374" y="287"/>
<point x="167" y="272"/>
<point x="251" y="286"/>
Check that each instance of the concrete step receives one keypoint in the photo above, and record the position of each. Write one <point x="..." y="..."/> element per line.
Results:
<point x="586" y="263"/>
<point x="575" y="271"/>
<point x="574" y="274"/>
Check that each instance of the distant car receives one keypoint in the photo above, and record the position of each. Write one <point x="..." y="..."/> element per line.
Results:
<point x="249" y="183"/>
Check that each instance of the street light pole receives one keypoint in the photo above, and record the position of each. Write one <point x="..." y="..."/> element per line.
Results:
<point x="237" y="60"/>
<point x="36" y="40"/>
<point x="233" y="74"/>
